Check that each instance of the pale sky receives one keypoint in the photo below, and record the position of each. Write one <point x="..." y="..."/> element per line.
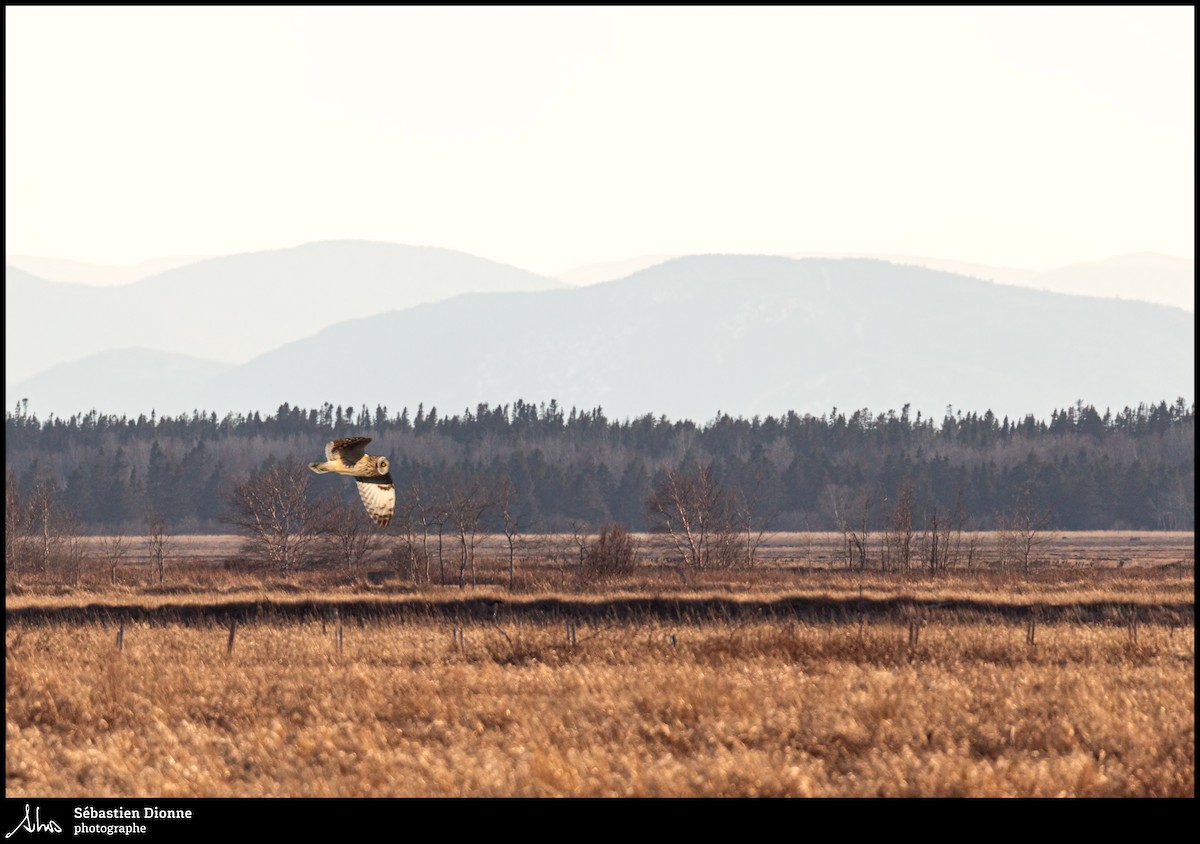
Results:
<point x="553" y="138"/>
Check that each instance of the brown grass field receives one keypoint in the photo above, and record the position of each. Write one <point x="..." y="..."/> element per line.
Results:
<point x="796" y="678"/>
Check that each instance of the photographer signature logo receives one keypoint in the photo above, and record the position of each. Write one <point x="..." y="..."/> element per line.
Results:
<point x="34" y="824"/>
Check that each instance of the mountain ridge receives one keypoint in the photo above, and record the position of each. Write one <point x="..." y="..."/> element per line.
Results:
<point x="233" y="307"/>
<point x="744" y="335"/>
<point x="1140" y="276"/>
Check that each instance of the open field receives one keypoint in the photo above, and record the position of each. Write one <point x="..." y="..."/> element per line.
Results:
<point x="791" y="679"/>
<point x="1091" y="549"/>
<point x="544" y="563"/>
<point x="427" y="709"/>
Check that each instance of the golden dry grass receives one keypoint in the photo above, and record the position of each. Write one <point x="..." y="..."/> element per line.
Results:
<point x="627" y="710"/>
<point x="552" y="695"/>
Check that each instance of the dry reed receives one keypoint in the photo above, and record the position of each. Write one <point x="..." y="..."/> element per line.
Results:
<point x="515" y="708"/>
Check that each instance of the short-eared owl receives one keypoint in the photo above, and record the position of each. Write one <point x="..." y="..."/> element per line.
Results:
<point x="347" y="456"/>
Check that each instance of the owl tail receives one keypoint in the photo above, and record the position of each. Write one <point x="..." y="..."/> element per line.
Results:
<point x="318" y="468"/>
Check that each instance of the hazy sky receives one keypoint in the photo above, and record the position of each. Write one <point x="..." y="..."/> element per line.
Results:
<point x="552" y="138"/>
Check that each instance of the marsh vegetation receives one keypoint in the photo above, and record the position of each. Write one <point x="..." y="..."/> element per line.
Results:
<point x="796" y="678"/>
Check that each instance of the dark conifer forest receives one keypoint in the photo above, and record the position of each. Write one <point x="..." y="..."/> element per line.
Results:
<point x="561" y="469"/>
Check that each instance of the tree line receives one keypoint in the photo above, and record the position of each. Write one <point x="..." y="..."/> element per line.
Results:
<point x="542" y="468"/>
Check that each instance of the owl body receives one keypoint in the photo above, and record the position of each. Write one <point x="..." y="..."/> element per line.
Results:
<point x="347" y="456"/>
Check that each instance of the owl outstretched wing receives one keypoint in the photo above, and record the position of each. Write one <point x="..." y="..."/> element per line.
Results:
<point x="379" y="497"/>
<point x="349" y="450"/>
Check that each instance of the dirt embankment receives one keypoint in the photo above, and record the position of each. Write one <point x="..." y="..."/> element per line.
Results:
<point x="686" y="610"/>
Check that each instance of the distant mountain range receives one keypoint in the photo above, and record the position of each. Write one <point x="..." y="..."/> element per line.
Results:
<point x="231" y="309"/>
<point x="687" y="338"/>
<point x="77" y="272"/>
<point x="121" y="379"/>
<point x="1141" y="277"/>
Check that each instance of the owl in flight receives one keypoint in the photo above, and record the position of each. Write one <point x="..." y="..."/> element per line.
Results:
<point x="347" y="456"/>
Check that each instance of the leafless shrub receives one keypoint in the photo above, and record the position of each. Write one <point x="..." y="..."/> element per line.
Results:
<point x="113" y="550"/>
<point x="346" y="535"/>
<point x="407" y="559"/>
<point x="612" y="553"/>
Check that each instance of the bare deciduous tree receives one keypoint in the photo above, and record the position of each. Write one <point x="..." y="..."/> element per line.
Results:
<point x="688" y="507"/>
<point x="468" y="501"/>
<point x="840" y="507"/>
<point x="41" y="531"/>
<point x="941" y="538"/>
<point x="158" y="543"/>
<point x="16" y="527"/>
<point x="273" y="510"/>
<point x="898" y="540"/>
<point x="860" y="534"/>
<point x="42" y="507"/>
<point x="410" y="553"/>
<point x="114" y="549"/>
<point x="752" y="527"/>
<point x="580" y="539"/>
<point x="514" y="524"/>
<point x="431" y="510"/>
<point x="1022" y="531"/>
<point x="562" y="551"/>
<point x="973" y="549"/>
<point x="958" y="524"/>
<point x="933" y="541"/>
